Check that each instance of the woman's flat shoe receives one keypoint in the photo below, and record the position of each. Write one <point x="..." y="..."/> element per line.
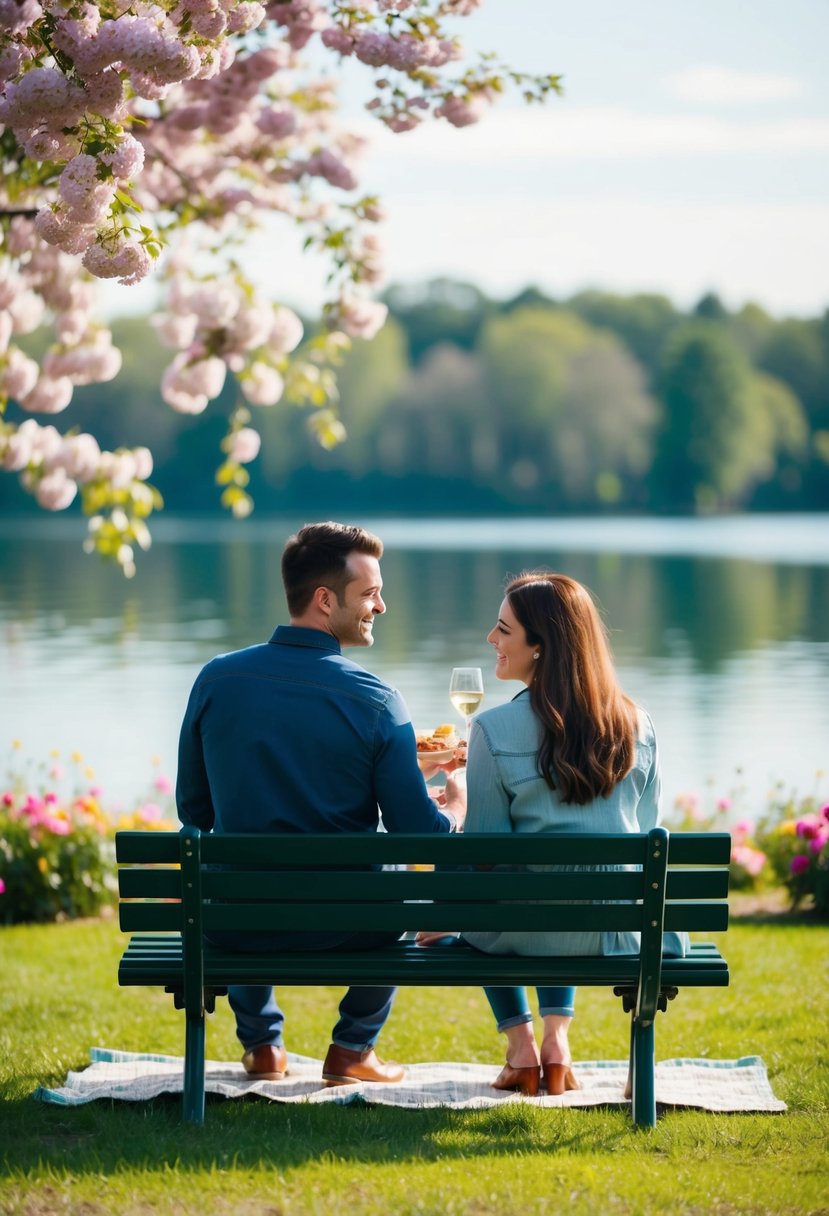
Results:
<point x="525" y="1080"/>
<point x="558" y="1078"/>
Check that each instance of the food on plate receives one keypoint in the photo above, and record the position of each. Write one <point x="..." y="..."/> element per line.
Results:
<point x="441" y="739"/>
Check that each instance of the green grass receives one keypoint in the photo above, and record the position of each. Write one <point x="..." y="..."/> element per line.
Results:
<point x="60" y="997"/>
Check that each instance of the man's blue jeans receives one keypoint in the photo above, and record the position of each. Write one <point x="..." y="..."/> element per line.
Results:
<point x="363" y="1011"/>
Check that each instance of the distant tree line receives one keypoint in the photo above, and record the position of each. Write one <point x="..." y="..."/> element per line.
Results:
<point x="469" y="405"/>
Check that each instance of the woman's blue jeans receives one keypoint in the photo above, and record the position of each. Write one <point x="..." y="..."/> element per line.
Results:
<point x="511" y="1007"/>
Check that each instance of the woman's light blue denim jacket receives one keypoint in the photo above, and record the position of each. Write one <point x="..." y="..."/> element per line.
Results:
<point x="507" y="794"/>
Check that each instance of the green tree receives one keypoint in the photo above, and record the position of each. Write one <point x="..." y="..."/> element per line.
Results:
<point x="643" y="322"/>
<point x="568" y="406"/>
<point x="723" y="427"/>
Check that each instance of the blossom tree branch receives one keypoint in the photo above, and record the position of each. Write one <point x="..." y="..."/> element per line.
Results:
<point x="136" y="136"/>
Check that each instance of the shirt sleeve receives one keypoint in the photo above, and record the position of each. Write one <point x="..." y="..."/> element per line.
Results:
<point x="488" y="802"/>
<point x="649" y="809"/>
<point x="193" y="800"/>
<point x="405" y="805"/>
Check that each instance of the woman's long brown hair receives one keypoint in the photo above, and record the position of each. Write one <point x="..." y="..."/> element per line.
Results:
<point x="589" y="723"/>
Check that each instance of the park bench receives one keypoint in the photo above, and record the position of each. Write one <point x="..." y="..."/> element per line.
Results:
<point x="175" y="887"/>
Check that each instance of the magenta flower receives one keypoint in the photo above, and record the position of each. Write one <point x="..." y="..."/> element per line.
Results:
<point x="808" y="827"/>
<point x="799" y="864"/>
<point x="742" y="828"/>
<point x="150" y="812"/>
<point x="163" y="784"/>
<point x="724" y="804"/>
<point x="824" y="810"/>
<point x="2" y="887"/>
<point x="817" y="843"/>
<point x="7" y="799"/>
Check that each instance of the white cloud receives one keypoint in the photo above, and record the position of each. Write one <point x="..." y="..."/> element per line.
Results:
<point x="711" y="85"/>
<point x="508" y="137"/>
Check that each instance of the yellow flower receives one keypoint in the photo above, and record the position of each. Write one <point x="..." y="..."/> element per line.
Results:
<point x="55" y="754"/>
<point x="42" y="865"/>
<point x="76" y="758"/>
<point x="155" y="761"/>
<point x="89" y="772"/>
<point x="788" y="828"/>
<point x="16" y="744"/>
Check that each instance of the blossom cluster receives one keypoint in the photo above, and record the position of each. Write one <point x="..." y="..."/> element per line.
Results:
<point x="128" y="122"/>
<point x="56" y="838"/>
<point x="787" y="846"/>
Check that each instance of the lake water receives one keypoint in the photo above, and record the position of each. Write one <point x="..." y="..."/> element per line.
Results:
<point x="720" y="628"/>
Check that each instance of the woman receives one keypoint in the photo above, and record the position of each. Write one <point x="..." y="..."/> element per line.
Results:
<point x="570" y="753"/>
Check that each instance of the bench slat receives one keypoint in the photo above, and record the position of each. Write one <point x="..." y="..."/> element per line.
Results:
<point x="251" y="885"/>
<point x="438" y="966"/>
<point x="405" y="916"/>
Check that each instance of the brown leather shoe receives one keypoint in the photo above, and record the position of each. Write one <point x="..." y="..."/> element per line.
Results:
<point x="343" y="1066"/>
<point x="524" y="1080"/>
<point x="266" y="1063"/>
<point x="559" y="1078"/>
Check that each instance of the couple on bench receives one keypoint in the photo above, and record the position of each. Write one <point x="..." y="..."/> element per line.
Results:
<point x="291" y="736"/>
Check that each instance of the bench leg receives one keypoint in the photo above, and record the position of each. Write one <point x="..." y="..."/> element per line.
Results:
<point x="642" y="1063"/>
<point x="194" y="1070"/>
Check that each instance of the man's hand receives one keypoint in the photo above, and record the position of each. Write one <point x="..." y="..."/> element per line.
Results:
<point x="432" y="938"/>
<point x="454" y="796"/>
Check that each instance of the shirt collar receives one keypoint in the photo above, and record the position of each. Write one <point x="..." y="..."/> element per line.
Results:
<point x="298" y="635"/>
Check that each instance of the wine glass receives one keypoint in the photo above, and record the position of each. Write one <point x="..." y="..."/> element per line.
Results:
<point x="466" y="691"/>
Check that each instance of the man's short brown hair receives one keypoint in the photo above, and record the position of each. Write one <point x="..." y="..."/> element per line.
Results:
<point x="317" y="557"/>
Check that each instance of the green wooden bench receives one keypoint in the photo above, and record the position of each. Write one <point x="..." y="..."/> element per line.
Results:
<point x="172" y="892"/>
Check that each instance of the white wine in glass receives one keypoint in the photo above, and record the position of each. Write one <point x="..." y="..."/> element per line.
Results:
<point x="466" y="690"/>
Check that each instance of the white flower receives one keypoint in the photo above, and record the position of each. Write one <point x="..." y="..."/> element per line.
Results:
<point x="262" y="384"/>
<point x="244" y="445"/>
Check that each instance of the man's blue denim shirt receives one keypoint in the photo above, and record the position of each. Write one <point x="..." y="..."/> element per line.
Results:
<point x="291" y="736"/>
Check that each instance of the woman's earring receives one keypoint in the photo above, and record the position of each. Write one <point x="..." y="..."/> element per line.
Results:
<point x="536" y="655"/>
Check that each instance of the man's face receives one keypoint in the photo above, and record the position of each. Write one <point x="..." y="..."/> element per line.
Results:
<point x="352" y="616"/>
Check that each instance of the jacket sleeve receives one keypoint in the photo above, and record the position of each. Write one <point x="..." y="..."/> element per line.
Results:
<point x="193" y="800"/>
<point x="649" y="808"/>
<point x="405" y="805"/>
<point x="488" y="803"/>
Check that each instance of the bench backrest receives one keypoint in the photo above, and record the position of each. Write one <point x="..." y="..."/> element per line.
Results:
<point x="169" y="881"/>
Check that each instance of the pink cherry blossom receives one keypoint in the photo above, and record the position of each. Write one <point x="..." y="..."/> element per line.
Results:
<point x="244" y="445"/>
<point x="360" y="316"/>
<point x="286" y="331"/>
<point x="56" y="491"/>
<point x="49" y="396"/>
<point x="262" y="384"/>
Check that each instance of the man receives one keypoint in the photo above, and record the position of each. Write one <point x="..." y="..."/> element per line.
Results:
<point x="290" y="736"/>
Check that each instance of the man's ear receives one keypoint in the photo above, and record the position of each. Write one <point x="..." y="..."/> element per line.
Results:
<point x="323" y="600"/>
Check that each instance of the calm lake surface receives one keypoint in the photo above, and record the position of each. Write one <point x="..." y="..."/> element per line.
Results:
<point x="720" y="628"/>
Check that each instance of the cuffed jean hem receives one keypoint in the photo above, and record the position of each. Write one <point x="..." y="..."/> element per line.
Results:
<point x="560" y="1011"/>
<point x="520" y="1019"/>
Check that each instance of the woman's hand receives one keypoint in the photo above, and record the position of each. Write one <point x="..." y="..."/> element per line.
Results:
<point x="431" y="938"/>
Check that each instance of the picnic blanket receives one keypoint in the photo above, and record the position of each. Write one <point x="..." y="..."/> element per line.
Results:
<point x="715" y="1085"/>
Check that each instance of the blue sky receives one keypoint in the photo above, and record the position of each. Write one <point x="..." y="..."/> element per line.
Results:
<point x="689" y="153"/>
